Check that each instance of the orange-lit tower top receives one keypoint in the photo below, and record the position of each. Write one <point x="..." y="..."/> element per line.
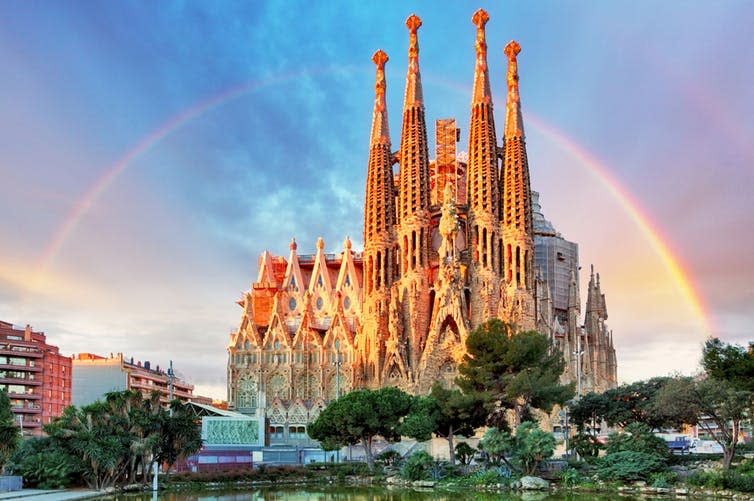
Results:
<point x="483" y="190"/>
<point x="379" y="209"/>
<point x="414" y="157"/>
<point x="516" y="204"/>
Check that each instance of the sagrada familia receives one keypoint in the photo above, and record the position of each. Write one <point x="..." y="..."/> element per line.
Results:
<point x="448" y="244"/>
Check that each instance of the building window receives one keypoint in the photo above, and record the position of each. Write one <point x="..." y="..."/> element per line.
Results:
<point x="277" y="432"/>
<point x="297" y="432"/>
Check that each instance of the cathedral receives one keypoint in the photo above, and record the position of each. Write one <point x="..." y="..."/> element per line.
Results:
<point x="448" y="244"/>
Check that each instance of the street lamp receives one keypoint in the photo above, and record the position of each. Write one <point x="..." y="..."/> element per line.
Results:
<point x="579" y="352"/>
<point x="337" y="363"/>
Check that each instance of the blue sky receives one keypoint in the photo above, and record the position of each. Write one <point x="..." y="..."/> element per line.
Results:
<point x="660" y="93"/>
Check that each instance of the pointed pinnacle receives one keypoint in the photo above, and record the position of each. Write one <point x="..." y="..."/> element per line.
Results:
<point x="512" y="49"/>
<point x="380" y="58"/>
<point x="413" y="22"/>
<point x="480" y="18"/>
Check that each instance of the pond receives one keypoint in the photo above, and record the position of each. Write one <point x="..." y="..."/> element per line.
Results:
<point x="351" y="493"/>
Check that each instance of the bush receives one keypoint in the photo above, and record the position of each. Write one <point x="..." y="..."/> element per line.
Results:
<point x="44" y="466"/>
<point x="483" y="477"/>
<point x="389" y="458"/>
<point x="739" y="481"/>
<point x="638" y="437"/>
<point x="663" y="479"/>
<point x="418" y="466"/>
<point x="586" y="445"/>
<point x="464" y="453"/>
<point x="570" y="477"/>
<point x="707" y="479"/>
<point x="626" y="466"/>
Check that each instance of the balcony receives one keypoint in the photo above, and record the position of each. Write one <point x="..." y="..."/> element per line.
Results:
<point x="29" y="409"/>
<point x="25" y="395"/>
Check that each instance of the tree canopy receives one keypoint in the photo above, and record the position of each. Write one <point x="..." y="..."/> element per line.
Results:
<point x="9" y="431"/>
<point x="359" y="416"/>
<point x="621" y="406"/>
<point x="445" y="412"/>
<point x="111" y="441"/>
<point x="517" y="371"/>
<point x="729" y="362"/>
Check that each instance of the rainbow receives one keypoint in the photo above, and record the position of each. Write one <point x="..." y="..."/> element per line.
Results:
<point x="659" y="244"/>
<point x="85" y="203"/>
<point x="585" y="158"/>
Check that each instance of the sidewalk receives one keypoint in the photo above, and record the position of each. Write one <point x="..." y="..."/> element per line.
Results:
<point x="49" y="495"/>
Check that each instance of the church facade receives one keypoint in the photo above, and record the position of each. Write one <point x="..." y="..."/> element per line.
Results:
<point x="448" y="244"/>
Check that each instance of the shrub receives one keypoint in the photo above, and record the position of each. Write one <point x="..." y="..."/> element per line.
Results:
<point x="570" y="477"/>
<point x="586" y="445"/>
<point x="627" y="466"/>
<point x="44" y="466"/>
<point x="739" y="481"/>
<point x="638" y="437"/>
<point x="389" y="458"/>
<point x="531" y="446"/>
<point x="417" y="466"/>
<point x="464" y="453"/>
<point x="663" y="479"/>
<point x="482" y="477"/>
<point x="708" y="479"/>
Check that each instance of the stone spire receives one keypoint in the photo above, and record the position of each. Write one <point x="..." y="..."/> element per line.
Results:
<point x="380" y="131"/>
<point x="516" y="203"/>
<point x="514" y="123"/>
<point x="483" y="188"/>
<point x="379" y="209"/>
<point x="414" y="219"/>
<point x="516" y="217"/>
<point x="414" y="157"/>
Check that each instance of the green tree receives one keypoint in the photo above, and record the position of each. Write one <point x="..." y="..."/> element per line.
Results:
<point x="496" y="444"/>
<point x="180" y="435"/>
<point x="359" y="416"/>
<point x="446" y="413"/>
<point x="44" y="464"/>
<point x="9" y="431"/>
<point x="465" y="453"/>
<point x="717" y="406"/>
<point x="589" y="411"/>
<point x="586" y="445"/>
<point x="120" y="437"/>
<point x="729" y="362"/>
<point x="528" y="447"/>
<point x="634" y="403"/>
<point x="517" y="371"/>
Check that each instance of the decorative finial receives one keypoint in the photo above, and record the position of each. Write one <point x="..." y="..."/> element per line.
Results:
<point x="512" y="49"/>
<point x="347" y="243"/>
<point x="380" y="132"/>
<point x="320" y="243"/>
<point x="480" y="18"/>
<point x="293" y="246"/>
<point x="380" y="58"/>
<point x="413" y="22"/>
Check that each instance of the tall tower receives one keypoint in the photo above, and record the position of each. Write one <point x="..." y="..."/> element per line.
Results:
<point x="516" y="217"/>
<point x="483" y="188"/>
<point x="379" y="231"/>
<point x="413" y="204"/>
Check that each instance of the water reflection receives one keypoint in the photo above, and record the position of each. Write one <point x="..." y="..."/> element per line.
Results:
<point x="318" y="493"/>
